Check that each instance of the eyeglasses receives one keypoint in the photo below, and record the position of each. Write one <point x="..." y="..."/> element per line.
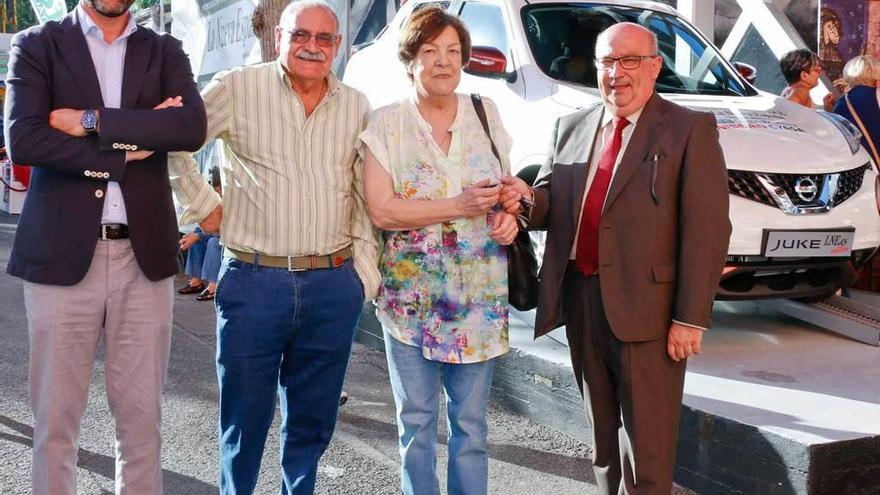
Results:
<point x="301" y="37"/>
<point x="627" y="62"/>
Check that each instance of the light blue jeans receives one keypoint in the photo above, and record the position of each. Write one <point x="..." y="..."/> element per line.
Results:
<point x="415" y="382"/>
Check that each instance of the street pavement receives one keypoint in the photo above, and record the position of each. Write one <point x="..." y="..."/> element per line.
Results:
<point x="525" y="458"/>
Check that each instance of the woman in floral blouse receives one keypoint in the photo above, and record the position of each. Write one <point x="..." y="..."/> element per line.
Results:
<point x="432" y="183"/>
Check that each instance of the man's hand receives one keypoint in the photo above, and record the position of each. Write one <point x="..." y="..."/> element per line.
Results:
<point x="188" y="240"/>
<point x="68" y="121"/>
<point x="134" y="156"/>
<point x="504" y="228"/>
<point x="175" y="102"/>
<point x="683" y="341"/>
<point x="512" y="191"/>
<point x="211" y="223"/>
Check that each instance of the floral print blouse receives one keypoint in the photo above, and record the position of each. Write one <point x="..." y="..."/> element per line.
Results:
<point x="444" y="286"/>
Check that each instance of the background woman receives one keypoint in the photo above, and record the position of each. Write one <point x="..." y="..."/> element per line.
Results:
<point x="861" y="75"/>
<point x="432" y="182"/>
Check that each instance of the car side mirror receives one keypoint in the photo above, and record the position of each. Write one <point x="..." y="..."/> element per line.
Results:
<point x="749" y="72"/>
<point x="488" y="62"/>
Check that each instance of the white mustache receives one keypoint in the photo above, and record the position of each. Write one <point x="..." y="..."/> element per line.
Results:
<point x="313" y="56"/>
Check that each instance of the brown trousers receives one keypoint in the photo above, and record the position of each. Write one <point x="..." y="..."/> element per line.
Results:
<point x="632" y="392"/>
<point x="116" y="302"/>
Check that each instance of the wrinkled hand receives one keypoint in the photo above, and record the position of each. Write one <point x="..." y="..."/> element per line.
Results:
<point x="504" y="228"/>
<point x="477" y="199"/>
<point x="683" y="341"/>
<point x="211" y="223"/>
<point x="188" y="240"/>
<point x="68" y="121"/>
<point x="175" y="102"/>
<point x="134" y="156"/>
<point x="828" y="101"/>
<point x="514" y="189"/>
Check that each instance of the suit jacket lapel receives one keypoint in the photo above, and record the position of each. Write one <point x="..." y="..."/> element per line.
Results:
<point x="588" y="134"/>
<point x="137" y="60"/>
<point x="71" y="43"/>
<point x="649" y="127"/>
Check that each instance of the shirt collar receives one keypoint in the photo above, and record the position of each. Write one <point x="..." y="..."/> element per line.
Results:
<point x="633" y="118"/>
<point x="332" y="82"/>
<point x="88" y="24"/>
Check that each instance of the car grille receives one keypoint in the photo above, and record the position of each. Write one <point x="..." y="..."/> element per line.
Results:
<point x="773" y="189"/>
<point x="746" y="185"/>
<point x="850" y="182"/>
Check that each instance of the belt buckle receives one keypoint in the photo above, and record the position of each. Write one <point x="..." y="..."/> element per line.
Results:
<point x="103" y="232"/>
<point x="290" y="267"/>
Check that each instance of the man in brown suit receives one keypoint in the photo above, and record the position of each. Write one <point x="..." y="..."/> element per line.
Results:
<point x="634" y="200"/>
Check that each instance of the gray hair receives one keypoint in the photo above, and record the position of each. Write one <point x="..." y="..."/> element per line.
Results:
<point x="863" y="70"/>
<point x="604" y="34"/>
<point x="296" y="7"/>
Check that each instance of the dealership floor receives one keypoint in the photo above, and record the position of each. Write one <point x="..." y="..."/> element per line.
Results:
<point x="767" y="403"/>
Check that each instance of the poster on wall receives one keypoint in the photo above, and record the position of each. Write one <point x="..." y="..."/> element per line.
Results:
<point x="846" y="29"/>
<point x="217" y="34"/>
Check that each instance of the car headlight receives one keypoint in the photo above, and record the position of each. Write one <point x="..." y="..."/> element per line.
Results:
<point x="850" y="132"/>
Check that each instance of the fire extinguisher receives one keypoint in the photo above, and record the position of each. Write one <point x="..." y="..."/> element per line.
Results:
<point x="20" y="173"/>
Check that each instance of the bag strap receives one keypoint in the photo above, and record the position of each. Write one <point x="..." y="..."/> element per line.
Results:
<point x="867" y="136"/>
<point x="481" y="113"/>
<point x="522" y="221"/>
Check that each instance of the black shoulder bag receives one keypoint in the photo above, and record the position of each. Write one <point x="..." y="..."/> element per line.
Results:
<point x="522" y="267"/>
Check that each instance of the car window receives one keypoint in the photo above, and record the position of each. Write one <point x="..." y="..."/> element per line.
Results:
<point x="443" y="5"/>
<point x="486" y="25"/>
<point x="562" y="38"/>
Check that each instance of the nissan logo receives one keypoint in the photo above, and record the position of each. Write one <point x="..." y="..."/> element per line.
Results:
<point x="806" y="189"/>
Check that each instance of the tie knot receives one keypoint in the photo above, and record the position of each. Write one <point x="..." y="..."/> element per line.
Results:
<point x="620" y="124"/>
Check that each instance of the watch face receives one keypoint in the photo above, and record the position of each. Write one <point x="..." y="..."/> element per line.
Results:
<point x="89" y="120"/>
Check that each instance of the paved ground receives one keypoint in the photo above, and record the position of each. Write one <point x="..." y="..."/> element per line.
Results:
<point x="526" y="458"/>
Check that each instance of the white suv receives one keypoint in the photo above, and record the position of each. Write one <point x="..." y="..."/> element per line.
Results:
<point x="802" y="191"/>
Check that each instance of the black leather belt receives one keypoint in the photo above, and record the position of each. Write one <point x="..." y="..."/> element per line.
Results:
<point x="112" y="231"/>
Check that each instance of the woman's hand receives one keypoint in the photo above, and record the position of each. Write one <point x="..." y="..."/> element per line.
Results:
<point x="504" y="228"/>
<point x="188" y="240"/>
<point x="513" y="190"/>
<point x="477" y="199"/>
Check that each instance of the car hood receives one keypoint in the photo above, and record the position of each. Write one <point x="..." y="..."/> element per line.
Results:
<point x="766" y="133"/>
<point x="763" y="133"/>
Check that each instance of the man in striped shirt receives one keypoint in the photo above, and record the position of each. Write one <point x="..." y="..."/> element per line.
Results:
<point x="300" y="255"/>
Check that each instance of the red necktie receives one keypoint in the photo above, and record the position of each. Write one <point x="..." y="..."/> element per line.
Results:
<point x="587" y="254"/>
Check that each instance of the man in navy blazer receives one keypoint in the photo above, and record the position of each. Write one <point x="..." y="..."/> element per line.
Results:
<point x="93" y="104"/>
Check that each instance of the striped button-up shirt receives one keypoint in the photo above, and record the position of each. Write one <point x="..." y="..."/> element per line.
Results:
<point x="291" y="186"/>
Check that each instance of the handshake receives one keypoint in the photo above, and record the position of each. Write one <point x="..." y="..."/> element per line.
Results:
<point x="482" y="197"/>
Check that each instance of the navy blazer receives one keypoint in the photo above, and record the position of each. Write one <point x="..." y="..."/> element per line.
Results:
<point x="50" y="67"/>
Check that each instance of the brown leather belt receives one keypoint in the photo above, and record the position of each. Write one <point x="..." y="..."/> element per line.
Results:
<point x="113" y="231"/>
<point x="293" y="263"/>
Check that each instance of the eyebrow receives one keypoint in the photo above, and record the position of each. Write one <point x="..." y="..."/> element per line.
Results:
<point x="458" y="44"/>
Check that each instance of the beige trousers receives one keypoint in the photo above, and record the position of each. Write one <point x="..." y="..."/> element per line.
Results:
<point x="133" y="315"/>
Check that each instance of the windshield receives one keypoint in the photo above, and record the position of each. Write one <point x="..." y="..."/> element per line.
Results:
<point x="562" y="38"/>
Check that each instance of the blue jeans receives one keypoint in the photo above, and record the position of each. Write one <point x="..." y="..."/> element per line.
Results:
<point x="288" y="333"/>
<point x="195" y="259"/>
<point x="213" y="259"/>
<point x="415" y="382"/>
<point x="203" y="258"/>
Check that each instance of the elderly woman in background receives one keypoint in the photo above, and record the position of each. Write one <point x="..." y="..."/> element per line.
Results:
<point x="862" y="100"/>
<point x="432" y="184"/>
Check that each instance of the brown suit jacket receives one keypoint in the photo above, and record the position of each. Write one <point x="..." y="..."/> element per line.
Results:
<point x="660" y="253"/>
